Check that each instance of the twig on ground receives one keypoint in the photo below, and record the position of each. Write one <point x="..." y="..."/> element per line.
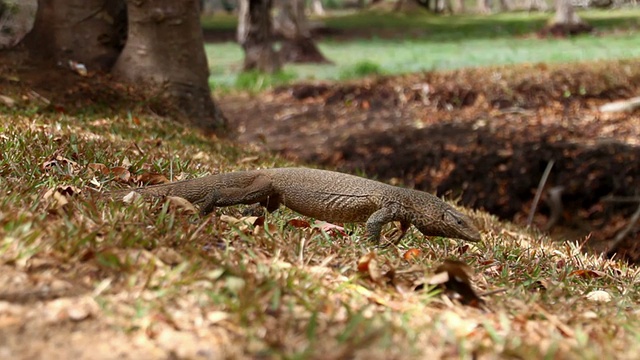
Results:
<point x="554" y="200"/>
<point x="620" y="199"/>
<point x="624" y="232"/>
<point x="536" y="199"/>
<point x="621" y="106"/>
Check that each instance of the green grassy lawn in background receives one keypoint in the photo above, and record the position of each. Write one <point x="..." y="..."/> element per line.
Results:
<point x="437" y="42"/>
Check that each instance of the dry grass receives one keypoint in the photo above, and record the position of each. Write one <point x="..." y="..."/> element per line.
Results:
<point x="84" y="277"/>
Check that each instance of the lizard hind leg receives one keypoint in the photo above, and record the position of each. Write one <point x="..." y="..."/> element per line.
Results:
<point x="272" y="203"/>
<point x="258" y="191"/>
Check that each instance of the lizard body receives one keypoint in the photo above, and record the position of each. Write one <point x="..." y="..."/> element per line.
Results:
<point x="324" y="195"/>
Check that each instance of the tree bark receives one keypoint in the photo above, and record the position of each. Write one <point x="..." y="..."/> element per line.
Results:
<point x="566" y="21"/>
<point x="165" y="49"/>
<point x="255" y="35"/>
<point x="484" y="7"/>
<point x="90" y="32"/>
<point x="298" y="45"/>
<point x="318" y="9"/>
<point x="506" y="5"/>
<point x="539" y="5"/>
<point x="458" y="6"/>
<point x="565" y="13"/>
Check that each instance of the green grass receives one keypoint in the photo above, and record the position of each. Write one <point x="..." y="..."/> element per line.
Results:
<point x="168" y="284"/>
<point x="439" y="42"/>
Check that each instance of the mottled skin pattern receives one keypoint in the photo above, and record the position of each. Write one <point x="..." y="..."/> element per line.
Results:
<point x="324" y="195"/>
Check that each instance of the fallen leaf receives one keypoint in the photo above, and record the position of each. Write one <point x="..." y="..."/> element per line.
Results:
<point x="299" y="223"/>
<point x="369" y="265"/>
<point x="9" y="102"/>
<point x="60" y="195"/>
<point x="168" y="256"/>
<point x="458" y="282"/>
<point x="131" y="197"/>
<point x="98" y="168"/>
<point x="329" y="228"/>
<point x="248" y="159"/>
<point x="587" y="274"/>
<point x="60" y="162"/>
<point x="412" y="254"/>
<point x="456" y="324"/>
<point x="121" y="173"/>
<point x="229" y="219"/>
<point x="182" y="205"/>
<point x="152" y="179"/>
<point x="215" y="317"/>
<point x="599" y="296"/>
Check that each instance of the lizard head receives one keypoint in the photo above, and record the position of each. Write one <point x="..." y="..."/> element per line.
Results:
<point x="452" y="224"/>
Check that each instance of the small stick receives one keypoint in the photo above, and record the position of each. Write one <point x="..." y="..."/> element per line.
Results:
<point x="536" y="199"/>
<point x="620" y="199"/>
<point x="622" y="234"/>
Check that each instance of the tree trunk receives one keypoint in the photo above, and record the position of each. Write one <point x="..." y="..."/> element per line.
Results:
<point x="90" y="32"/>
<point x="318" y="9"/>
<point x="539" y="5"/>
<point x="565" y="14"/>
<point x="165" y="48"/>
<point x="298" y="45"/>
<point x="484" y="6"/>
<point x="16" y="21"/>
<point x="255" y="35"/>
<point x="566" y="21"/>
<point x="506" y="5"/>
<point x="458" y="6"/>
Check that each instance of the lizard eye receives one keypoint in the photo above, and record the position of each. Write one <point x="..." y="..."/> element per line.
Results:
<point x="452" y="218"/>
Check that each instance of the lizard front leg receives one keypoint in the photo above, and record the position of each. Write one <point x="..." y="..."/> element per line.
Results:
<point x="378" y="219"/>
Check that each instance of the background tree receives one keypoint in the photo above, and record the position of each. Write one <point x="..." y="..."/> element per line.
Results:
<point x="291" y="23"/>
<point x="318" y="9"/>
<point x="163" y="48"/>
<point x="484" y="6"/>
<point x="255" y="35"/>
<point x="566" y="21"/>
<point x="91" y="32"/>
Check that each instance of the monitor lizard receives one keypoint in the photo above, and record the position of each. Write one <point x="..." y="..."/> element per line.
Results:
<point x="324" y="195"/>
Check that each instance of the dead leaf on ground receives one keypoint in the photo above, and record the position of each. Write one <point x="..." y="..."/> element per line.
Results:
<point x="599" y="296"/>
<point x="181" y="205"/>
<point x="59" y="195"/>
<point x="299" y="223"/>
<point x="455" y="277"/>
<point x="9" y="102"/>
<point x="121" y="174"/>
<point x="98" y="168"/>
<point x="329" y="228"/>
<point x="368" y="264"/>
<point x="587" y="274"/>
<point x="412" y="254"/>
<point x="60" y="162"/>
<point x="152" y="179"/>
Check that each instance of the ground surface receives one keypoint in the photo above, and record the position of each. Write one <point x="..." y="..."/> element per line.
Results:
<point x="84" y="277"/>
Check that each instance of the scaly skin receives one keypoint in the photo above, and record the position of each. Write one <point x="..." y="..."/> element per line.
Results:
<point x="324" y="195"/>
